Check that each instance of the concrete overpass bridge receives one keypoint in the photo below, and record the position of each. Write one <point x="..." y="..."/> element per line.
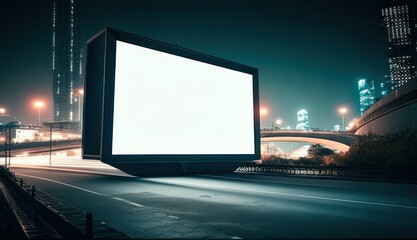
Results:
<point x="340" y="141"/>
<point x="395" y="112"/>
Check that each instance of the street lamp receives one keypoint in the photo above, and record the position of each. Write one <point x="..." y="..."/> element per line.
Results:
<point x="278" y="122"/>
<point x="39" y="105"/>
<point x="262" y="111"/>
<point x="3" y="113"/>
<point x="343" y="111"/>
<point x="3" y="139"/>
<point x="80" y="97"/>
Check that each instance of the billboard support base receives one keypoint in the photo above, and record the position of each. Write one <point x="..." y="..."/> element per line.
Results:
<point x="178" y="168"/>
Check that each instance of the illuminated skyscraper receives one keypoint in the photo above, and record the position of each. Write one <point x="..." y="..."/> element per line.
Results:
<point x="302" y="120"/>
<point x="385" y="86"/>
<point x="66" y="59"/>
<point x="366" y="94"/>
<point x="399" y="20"/>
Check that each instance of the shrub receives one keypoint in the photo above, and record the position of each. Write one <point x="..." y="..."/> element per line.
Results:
<point x="390" y="149"/>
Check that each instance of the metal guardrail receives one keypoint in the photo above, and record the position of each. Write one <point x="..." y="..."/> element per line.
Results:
<point x="10" y="226"/>
<point x="368" y="172"/>
<point x="45" y="216"/>
<point x="28" y="194"/>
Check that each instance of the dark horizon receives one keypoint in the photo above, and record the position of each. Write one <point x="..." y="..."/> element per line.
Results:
<point x="310" y="54"/>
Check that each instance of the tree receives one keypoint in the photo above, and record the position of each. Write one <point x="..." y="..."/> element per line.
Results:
<point x="318" y="151"/>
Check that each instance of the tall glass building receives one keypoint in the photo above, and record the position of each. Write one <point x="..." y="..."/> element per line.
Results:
<point x="399" y="20"/>
<point x="366" y="94"/>
<point x="386" y="86"/>
<point x="66" y="60"/>
<point x="302" y="120"/>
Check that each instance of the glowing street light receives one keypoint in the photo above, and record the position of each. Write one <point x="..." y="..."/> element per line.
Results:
<point x="343" y="111"/>
<point x="39" y="105"/>
<point x="80" y="97"/>
<point x="278" y="122"/>
<point x="262" y="111"/>
<point x="3" y="112"/>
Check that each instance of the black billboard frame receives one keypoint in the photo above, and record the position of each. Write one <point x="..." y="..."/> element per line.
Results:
<point x="99" y="102"/>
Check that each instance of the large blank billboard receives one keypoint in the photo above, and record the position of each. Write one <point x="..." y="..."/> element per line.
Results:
<point x="166" y="104"/>
<point x="162" y="103"/>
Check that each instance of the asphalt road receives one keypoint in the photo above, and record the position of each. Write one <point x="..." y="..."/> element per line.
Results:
<point x="232" y="206"/>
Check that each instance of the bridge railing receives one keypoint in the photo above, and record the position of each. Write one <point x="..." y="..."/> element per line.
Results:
<point x="354" y="172"/>
<point x="342" y="137"/>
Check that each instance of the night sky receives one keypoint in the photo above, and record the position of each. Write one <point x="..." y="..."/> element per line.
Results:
<point x="310" y="54"/>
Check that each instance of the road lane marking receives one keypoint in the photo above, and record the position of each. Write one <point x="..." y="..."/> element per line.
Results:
<point x="127" y="201"/>
<point x="65" y="184"/>
<point x="121" y="174"/>
<point x="83" y="189"/>
<point x="296" y="195"/>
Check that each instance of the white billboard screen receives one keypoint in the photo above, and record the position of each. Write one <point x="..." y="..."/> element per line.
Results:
<point x="167" y="104"/>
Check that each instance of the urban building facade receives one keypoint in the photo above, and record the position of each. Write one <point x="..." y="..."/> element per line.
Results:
<point x="366" y="94"/>
<point x="399" y="21"/>
<point x="302" y="120"/>
<point x="386" y="86"/>
<point x="23" y="134"/>
<point x="67" y="58"/>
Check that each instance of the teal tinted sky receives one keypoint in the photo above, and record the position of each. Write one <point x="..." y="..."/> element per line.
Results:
<point x="310" y="54"/>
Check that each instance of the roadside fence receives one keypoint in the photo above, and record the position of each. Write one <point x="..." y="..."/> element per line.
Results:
<point x="365" y="172"/>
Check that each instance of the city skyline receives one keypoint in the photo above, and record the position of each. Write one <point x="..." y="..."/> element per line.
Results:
<point x="400" y="23"/>
<point x="67" y="60"/>
<point x="296" y="45"/>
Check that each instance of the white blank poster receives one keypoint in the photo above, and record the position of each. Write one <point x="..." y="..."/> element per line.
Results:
<point x="166" y="104"/>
